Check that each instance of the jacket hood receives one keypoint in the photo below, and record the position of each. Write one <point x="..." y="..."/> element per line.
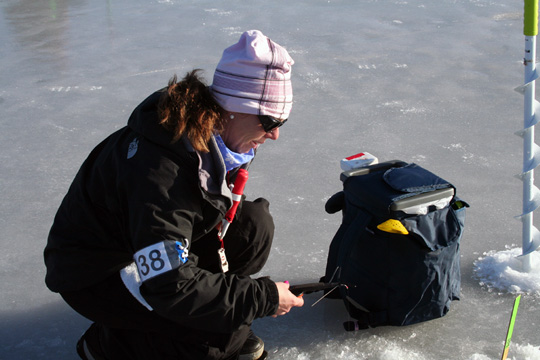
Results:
<point x="145" y="121"/>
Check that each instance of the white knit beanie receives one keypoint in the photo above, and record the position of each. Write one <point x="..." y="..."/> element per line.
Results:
<point x="254" y="77"/>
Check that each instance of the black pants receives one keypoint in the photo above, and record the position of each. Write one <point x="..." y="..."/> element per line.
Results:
<point x="125" y="329"/>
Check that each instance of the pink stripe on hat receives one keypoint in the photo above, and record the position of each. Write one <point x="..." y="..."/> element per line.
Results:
<point x="254" y="77"/>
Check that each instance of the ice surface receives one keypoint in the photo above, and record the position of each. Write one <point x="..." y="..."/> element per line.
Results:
<point x="422" y="81"/>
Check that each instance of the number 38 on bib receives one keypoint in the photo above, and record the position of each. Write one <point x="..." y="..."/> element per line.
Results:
<point x="161" y="257"/>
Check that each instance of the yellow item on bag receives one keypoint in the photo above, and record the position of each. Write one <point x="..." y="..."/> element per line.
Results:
<point x="393" y="226"/>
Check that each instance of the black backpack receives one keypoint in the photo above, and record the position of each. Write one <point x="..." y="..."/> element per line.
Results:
<point x="397" y="249"/>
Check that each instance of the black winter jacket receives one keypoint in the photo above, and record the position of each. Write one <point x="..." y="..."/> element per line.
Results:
<point x="138" y="189"/>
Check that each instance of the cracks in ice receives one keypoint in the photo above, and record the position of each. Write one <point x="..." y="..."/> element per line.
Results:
<point x="467" y="156"/>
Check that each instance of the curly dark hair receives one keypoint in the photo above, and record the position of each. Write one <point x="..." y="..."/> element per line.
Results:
<point x="188" y="107"/>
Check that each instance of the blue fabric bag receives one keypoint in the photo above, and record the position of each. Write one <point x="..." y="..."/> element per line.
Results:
<point x="397" y="249"/>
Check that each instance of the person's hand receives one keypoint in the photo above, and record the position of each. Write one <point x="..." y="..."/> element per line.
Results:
<point x="287" y="299"/>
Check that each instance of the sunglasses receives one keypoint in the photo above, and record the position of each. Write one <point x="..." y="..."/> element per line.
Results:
<point x="270" y="123"/>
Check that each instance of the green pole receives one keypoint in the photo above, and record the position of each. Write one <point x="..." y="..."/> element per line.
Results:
<point x="510" y="328"/>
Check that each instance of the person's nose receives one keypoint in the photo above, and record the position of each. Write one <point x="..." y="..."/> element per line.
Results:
<point x="273" y="135"/>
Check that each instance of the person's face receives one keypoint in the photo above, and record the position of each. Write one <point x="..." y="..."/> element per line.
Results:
<point x="245" y="132"/>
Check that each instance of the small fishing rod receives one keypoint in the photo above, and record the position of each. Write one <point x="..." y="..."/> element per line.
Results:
<point x="237" y="192"/>
<point x="312" y="287"/>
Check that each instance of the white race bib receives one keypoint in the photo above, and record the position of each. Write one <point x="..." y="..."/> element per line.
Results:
<point x="161" y="257"/>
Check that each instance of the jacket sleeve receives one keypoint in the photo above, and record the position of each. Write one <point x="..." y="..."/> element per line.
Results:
<point x="198" y="299"/>
<point x="163" y="209"/>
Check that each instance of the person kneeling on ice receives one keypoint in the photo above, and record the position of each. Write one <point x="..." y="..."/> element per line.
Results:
<point x="134" y="245"/>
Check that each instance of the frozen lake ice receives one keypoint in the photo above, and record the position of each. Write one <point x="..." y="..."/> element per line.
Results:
<point x="420" y="81"/>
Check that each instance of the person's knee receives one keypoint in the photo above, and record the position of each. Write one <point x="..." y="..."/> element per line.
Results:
<point x="256" y="215"/>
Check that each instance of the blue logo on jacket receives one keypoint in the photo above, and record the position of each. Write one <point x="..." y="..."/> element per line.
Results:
<point x="182" y="250"/>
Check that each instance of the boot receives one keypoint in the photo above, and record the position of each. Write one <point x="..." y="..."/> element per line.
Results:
<point x="88" y="344"/>
<point x="253" y="348"/>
